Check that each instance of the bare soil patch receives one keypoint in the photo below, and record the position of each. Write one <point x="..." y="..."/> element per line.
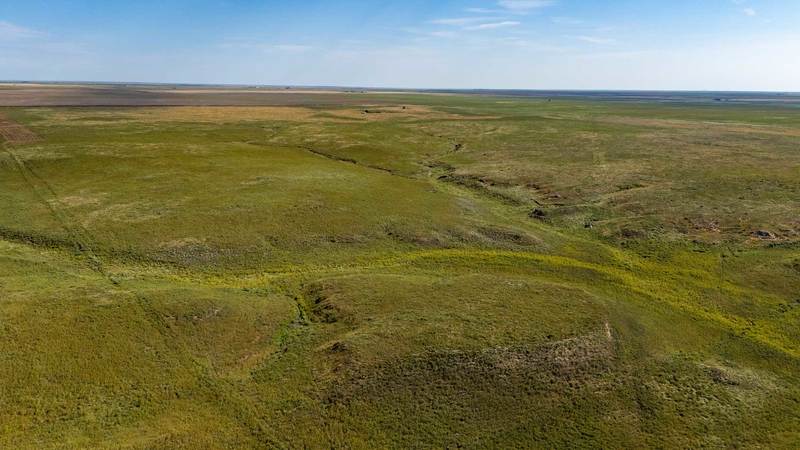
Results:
<point x="16" y="134"/>
<point x="63" y="95"/>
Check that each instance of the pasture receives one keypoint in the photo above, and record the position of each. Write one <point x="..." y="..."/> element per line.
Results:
<point x="227" y="269"/>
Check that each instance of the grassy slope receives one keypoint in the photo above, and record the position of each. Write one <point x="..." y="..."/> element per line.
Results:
<point x="183" y="278"/>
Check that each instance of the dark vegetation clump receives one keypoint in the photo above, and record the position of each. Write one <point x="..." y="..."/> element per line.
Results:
<point x="763" y="234"/>
<point x="538" y="213"/>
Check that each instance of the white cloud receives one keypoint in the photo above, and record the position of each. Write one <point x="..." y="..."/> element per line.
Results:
<point x="485" y="11"/>
<point x="425" y="34"/>
<point x="289" y="48"/>
<point x="494" y="25"/>
<point x="749" y="11"/>
<point x="524" y="5"/>
<point x="531" y="45"/>
<point x="443" y="34"/>
<point x="513" y="7"/>
<point x="10" y="31"/>
<point x="266" y="47"/>
<point x="596" y="40"/>
<point x="468" y="24"/>
<point x="461" y="21"/>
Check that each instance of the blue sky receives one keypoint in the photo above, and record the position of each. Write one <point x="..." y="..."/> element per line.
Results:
<point x="535" y="44"/>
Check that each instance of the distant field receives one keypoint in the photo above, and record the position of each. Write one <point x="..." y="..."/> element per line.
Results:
<point x="233" y="269"/>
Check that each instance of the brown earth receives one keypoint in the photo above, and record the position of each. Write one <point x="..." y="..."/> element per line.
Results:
<point x="64" y="95"/>
<point x="16" y="134"/>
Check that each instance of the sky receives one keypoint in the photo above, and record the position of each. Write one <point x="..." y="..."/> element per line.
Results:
<point x="750" y="45"/>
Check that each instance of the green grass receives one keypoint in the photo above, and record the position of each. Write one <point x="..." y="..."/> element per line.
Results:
<point x="328" y="278"/>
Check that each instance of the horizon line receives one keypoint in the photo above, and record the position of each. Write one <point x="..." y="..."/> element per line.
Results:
<point x="394" y="88"/>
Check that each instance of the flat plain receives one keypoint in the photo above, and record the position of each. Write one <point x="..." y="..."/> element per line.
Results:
<point x="212" y="268"/>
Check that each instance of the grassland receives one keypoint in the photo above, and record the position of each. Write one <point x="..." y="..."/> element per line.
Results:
<point x="376" y="270"/>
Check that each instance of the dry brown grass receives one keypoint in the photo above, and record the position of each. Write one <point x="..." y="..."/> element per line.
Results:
<point x="197" y="114"/>
<point x="16" y="134"/>
<point x="223" y="114"/>
<point x="228" y="114"/>
<point x="245" y="91"/>
<point x="694" y="125"/>
<point x="383" y="113"/>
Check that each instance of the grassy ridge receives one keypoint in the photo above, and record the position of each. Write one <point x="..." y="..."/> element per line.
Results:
<point x="377" y="276"/>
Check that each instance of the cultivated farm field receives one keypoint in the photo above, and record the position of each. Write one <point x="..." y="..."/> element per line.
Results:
<point x="396" y="270"/>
